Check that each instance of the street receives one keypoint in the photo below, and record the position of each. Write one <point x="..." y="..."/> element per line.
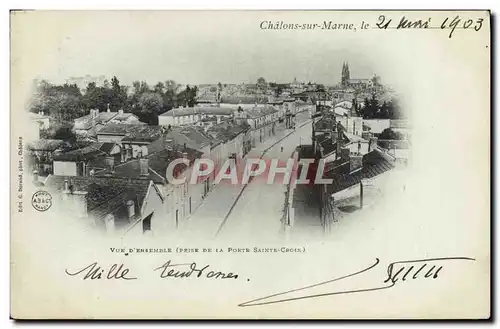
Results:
<point x="252" y="212"/>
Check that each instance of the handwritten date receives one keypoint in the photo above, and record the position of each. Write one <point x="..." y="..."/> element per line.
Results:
<point x="456" y="22"/>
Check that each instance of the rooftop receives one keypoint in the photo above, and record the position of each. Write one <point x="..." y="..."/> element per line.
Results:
<point x="374" y="164"/>
<point x="86" y="153"/>
<point x="157" y="165"/>
<point x="207" y="110"/>
<point x="104" y="195"/>
<point x="119" y="129"/>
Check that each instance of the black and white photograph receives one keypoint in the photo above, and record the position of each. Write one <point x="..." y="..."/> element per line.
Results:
<point x="250" y="164"/>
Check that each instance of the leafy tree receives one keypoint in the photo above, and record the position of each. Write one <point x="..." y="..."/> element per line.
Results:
<point x="159" y="88"/>
<point x="150" y="103"/>
<point x="371" y="108"/>
<point x="65" y="134"/>
<point x="261" y="83"/>
<point x="356" y="107"/>
<point x="388" y="133"/>
<point x="118" y="95"/>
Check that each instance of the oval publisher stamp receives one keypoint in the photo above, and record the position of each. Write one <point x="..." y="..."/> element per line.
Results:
<point x="41" y="200"/>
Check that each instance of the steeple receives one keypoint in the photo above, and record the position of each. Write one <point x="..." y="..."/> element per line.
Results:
<point x="345" y="74"/>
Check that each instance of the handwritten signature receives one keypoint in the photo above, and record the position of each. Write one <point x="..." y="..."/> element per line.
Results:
<point x="399" y="271"/>
<point x="395" y="272"/>
<point x="94" y="271"/>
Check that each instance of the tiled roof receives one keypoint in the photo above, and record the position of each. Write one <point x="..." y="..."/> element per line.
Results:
<point x="144" y="134"/>
<point x="328" y="146"/>
<point x="124" y="116"/>
<point x="102" y="191"/>
<point x="244" y="99"/>
<point x="215" y="110"/>
<point x="157" y="162"/>
<point x="114" y="129"/>
<point x="325" y="123"/>
<point x="195" y="135"/>
<point x="86" y="153"/>
<point x="373" y="165"/>
<point x="207" y="110"/>
<point x="132" y="169"/>
<point x="104" y="117"/>
<point x="227" y="130"/>
<point x="107" y="147"/>
<point x="179" y="112"/>
<point x="45" y="144"/>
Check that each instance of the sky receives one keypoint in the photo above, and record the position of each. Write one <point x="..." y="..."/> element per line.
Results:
<point x="187" y="47"/>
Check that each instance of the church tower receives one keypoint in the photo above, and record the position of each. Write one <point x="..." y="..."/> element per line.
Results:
<point x="345" y="74"/>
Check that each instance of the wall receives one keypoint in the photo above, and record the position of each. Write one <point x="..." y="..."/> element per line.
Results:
<point x="377" y="125"/>
<point x="64" y="168"/>
<point x="109" y="138"/>
<point x="165" y="120"/>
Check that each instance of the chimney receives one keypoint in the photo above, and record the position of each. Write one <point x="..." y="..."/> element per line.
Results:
<point x="130" y="208"/>
<point x="372" y="145"/>
<point x="144" y="151"/>
<point x="355" y="162"/>
<point x="345" y="153"/>
<point x="144" y="165"/>
<point x="109" y="222"/>
<point x="123" y="155"/>
<point x="110" y="163"/>
<point x="35" y="176"/>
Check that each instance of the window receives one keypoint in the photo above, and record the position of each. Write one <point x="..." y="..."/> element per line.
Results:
<point x="146" y="223"/>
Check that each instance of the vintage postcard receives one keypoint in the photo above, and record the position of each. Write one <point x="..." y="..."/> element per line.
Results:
<point x="250" y="164"/>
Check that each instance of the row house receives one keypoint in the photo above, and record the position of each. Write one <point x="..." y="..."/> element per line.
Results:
<point x="181" y="200"/>
<point x="193" y="115"/>
<point x="262" y="121"/>
<point x="87" y="160"/>
<point x="235" y="140"/>
<point x="90" y="124"/>
<point x="112" y="205"/>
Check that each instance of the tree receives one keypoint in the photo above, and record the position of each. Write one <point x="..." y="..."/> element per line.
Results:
<point x="390" y="134"/>
<point x="371" y="108"/>
<point x="150" y="102"/>
<point x="62" y="102"/>
<point x="118" y="95"/>
<point x="65" y="134"/>
<point x="159" y="88"/>
<point x="356" y="107"/>
<point x="261" y="83"/>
